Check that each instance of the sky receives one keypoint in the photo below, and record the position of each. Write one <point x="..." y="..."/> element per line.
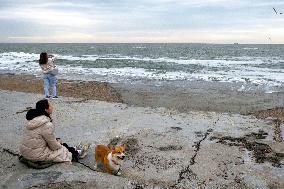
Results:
<point x="142" y="21"/>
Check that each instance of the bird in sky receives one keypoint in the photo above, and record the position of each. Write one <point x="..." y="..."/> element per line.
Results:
<point x="276" y="11"/>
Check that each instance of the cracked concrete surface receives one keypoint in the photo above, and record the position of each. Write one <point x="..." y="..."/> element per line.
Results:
<point x="165" y="149"/>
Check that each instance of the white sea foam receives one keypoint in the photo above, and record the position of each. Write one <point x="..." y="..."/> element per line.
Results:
<point x="17" y="57"/>
<point x="233" y="69"/>
<point x="139" y="47"/>
<point x="210" y="63"/>
<point x="250" y="48"/>
<point x="19" y="62"/>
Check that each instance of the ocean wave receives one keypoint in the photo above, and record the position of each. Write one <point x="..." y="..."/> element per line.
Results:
<point x="250" y="48"/>
<point x="225" y="69"/>
<point x="14" y="57"/>
<point x="17" y="57"/>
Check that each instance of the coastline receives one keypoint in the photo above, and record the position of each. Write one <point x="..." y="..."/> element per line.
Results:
<point x="88" y="90"/>
<point x="186" y="96"/>
<point x="181" y="96"/>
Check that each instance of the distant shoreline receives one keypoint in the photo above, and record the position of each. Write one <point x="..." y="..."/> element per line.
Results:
<point x="144" y="43"/>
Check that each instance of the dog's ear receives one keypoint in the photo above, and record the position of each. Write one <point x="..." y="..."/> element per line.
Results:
<point x="123" y="145"/>
<point x="112" y="147"/>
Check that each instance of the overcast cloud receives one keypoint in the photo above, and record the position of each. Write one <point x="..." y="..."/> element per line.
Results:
<point x="183" y="21"/>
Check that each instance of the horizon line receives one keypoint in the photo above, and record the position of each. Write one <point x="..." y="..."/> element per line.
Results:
<point x="236" y="43"/>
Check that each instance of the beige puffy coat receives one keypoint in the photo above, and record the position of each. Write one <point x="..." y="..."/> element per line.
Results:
<point x="39" y="142"/>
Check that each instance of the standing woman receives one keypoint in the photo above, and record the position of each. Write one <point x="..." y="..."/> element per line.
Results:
<point x="49" y="70"/>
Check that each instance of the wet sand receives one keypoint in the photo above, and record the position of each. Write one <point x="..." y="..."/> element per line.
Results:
<point x="180" y="96"/>
<point x="186" y="96"/>
<point x="88" y="90"/>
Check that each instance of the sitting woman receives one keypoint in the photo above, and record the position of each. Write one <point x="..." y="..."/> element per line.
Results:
<point x="39" y="142"/>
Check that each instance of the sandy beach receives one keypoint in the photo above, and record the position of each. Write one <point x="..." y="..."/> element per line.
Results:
<point x="181" y="96"/>
<point x="175" y="138"/>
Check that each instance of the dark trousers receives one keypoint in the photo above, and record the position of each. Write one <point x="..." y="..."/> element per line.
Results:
<point x="74" y="152"/>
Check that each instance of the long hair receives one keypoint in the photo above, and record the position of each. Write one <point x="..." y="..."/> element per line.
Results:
<point x="41" y="106"/>
<point x="43" y="58"/>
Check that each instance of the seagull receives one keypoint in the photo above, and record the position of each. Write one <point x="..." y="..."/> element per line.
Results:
<point x="276" y="11"/>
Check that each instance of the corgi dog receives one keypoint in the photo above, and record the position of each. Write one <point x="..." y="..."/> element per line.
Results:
<point x="109" y="159"/>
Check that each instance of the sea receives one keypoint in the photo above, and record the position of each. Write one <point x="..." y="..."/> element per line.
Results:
<point x="250" y="66"/>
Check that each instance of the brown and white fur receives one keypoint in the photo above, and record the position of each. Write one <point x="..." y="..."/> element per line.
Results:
<point x="109" y="159"/>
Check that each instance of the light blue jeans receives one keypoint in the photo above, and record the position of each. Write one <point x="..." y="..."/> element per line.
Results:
<point x="49" y="79"/>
